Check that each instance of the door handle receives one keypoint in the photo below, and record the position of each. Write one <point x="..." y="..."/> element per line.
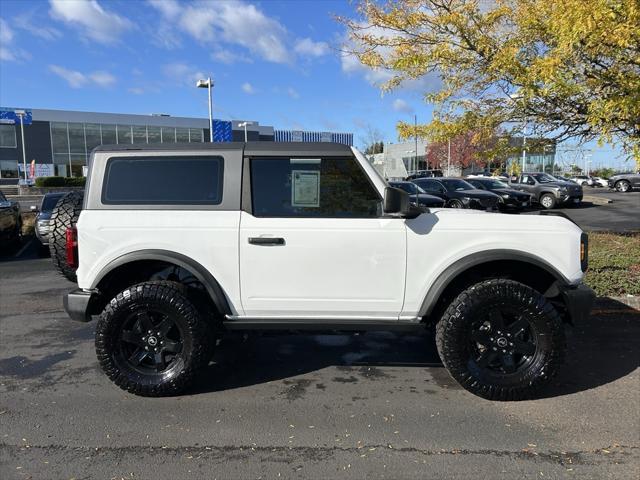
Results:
<point x="266" y="240"/>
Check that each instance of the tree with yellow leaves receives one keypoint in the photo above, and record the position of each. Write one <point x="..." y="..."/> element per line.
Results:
<point x="569" y="69"/>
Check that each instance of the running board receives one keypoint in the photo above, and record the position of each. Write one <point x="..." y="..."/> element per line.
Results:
<point x="240" y="323"/>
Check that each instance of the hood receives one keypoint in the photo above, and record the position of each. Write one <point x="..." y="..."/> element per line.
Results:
<point x="471" y="193"/>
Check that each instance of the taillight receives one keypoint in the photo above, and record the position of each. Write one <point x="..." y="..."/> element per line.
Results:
<point x="72" y="247"/>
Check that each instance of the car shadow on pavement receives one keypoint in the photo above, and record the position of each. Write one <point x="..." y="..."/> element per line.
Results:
<point x="602" y="350"/>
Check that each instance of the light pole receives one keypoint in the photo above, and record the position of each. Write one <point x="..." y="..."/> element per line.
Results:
<point x="244" y="124"/>
<point x="208" y="83"/>
<point x="21" y="114"/>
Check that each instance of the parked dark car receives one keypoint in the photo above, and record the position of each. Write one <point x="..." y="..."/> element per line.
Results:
<point x="425" y="174"/>
<point x="418" y="196"/>
<point x="625" y="182"/>
<point x="43" y="218"/>
<point x="511" y="198"/>
<point x="459" y="194"/>
<point x="10" y="222"/>
<point x="548" y="191"/>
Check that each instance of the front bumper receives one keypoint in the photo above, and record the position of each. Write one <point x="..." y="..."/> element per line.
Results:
<point x="76" y="304"/>
<point x="578" y="301"/>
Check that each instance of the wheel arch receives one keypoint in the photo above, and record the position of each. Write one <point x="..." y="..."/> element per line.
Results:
<point x="538" y="274"/>
<point x="126" y="261"/>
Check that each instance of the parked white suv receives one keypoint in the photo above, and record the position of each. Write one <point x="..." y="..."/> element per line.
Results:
<point x="179" y="244"/>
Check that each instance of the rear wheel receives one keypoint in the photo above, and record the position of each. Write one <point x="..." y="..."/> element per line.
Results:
<point x="65" y="215"/>
<point x="623" y="186"/>
<point x="501" y="340"/>
<point x="151" y="340"/>
<point x="548" y="201"/>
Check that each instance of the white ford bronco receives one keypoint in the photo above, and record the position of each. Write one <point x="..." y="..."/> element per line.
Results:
<point x="176" y="245"/>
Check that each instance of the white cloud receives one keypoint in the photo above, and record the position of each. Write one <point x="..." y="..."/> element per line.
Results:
<point x="308" y="47"/>
<point x="293" y="93"/>
<point x="399" y="105"/>
<point x="183" y="73"/>
<point x="25" y="21"/>
<point x="233" y="22"/>
<point x="77" y="79"/>
<point x="136" y="90"/>
<point x="8" y="51"/>
<point x="91" y="19"/>
<point x="248" y="88"/>
<point x="228" y="57"/>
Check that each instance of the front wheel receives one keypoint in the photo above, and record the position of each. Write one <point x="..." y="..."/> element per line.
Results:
<point x="455" y="204"/>
<point x="501" y="340"/>
<point x="623" y="186"/>
<point x="548" y="201"/>
<point x="151" y="340"/>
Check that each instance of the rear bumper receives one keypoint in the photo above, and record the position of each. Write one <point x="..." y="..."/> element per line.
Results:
<point x="578" y="301"/>
<point x="76" y="304"/>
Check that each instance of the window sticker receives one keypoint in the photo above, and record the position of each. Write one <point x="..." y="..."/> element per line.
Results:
<point x="305" y="188"/>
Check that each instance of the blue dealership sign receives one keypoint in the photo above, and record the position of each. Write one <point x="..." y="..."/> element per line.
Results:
<point x="222" y="131"/>
<point x="8" y="115"/>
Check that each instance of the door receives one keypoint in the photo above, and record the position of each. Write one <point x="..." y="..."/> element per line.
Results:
<point x="314" y="243"/>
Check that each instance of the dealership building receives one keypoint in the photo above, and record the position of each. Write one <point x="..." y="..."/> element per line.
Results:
<point x="59" y="142"/>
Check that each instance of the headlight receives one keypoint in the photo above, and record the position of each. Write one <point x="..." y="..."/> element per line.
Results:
<point x="505" y="195"/>
<point x="465" y="199"/>
<point x="563" y="190"/>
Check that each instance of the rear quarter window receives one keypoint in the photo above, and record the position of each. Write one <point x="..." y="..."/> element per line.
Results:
<point x="163" y="181"/>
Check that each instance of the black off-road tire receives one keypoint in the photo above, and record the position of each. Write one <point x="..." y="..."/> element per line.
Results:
<point x="152" y="299"/>
<point x="548" y="201"/>
<point x="623" y="186"/>
<point x="65" y="215"/>
<point x="468" y="333"/>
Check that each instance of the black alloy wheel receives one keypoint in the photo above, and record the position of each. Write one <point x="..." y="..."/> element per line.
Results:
<point x="455" y="203"/>
<point x="152" y="342"/>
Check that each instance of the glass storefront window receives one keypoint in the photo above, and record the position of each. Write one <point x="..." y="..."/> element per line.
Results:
<point x="124" y="134"/>
<point x="153" y="134"/>
<point x="182" y="135"/>
<point x="76" y="138"/>
<point x="8" y="136"/>
<point x="168" y="135"/>
<point x="109" y="134"/>
<point x="195" y="135"/>
<point x="60" y="142"/>
<point x="92" y="134"/>
<point x="8" y="169"/>
<point x="139" y="134"/>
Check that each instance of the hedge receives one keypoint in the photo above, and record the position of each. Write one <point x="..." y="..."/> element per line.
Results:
<point x="60" y="181"/>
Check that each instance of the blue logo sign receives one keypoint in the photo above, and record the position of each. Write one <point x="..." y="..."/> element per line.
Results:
<point x="222" y="131"/>
<point x="9" y="115"/>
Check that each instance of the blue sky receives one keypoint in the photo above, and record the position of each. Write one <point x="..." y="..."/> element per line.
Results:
<point x="277" y="62"/>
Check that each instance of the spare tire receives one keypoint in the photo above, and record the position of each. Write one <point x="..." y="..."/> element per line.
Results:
<point x="65" y="215"/>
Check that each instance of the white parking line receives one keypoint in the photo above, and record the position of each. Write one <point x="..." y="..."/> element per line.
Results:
<point x="21" y="251"/>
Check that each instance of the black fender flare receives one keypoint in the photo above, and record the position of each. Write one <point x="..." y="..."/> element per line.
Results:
<point x="465" y="263"/>
<point x="201" y="273"/>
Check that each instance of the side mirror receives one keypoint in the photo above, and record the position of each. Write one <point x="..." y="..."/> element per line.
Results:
<point x="33" y="208"/>
<point x="531" y="182"/>
<point x="396" y="201"/>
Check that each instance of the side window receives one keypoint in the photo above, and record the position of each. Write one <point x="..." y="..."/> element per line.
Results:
<point x="312" y="187"/>
<point x="163" y="181"/>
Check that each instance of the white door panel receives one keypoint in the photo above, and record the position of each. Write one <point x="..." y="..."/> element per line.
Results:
<point x="326" y="267"/>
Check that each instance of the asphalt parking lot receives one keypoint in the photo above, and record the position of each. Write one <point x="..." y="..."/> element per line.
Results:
<point x="309" y="406"/>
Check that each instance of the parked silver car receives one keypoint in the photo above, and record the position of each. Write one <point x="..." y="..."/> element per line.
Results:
<point x="44" y="215"/>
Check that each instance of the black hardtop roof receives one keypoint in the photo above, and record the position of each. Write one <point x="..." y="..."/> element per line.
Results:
<point x="250" y="148"/>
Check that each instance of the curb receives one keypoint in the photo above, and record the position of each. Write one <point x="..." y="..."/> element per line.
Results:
<point x="631" y="301"/>
<point x="596" y="200"/>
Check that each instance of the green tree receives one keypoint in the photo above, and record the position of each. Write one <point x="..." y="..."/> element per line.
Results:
<point x="568" y="69"/>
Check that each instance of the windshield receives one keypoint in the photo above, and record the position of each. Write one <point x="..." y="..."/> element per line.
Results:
<point x="493" y="184"/>
<point x="49" y="202"/>
<point x="543" y="177"/>
<point x="453" y="184"/>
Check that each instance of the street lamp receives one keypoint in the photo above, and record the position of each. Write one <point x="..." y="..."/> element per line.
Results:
<point x="244" y="124"/>
<point x="22" y="114"/>
<point x="208" y="83"/>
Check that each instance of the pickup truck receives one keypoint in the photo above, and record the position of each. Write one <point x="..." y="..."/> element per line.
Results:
<point x="548" y="191"/>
